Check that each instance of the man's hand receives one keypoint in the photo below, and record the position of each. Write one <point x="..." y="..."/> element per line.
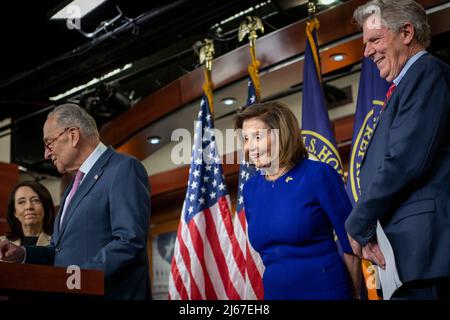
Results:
<point x="371" y="251"/>
<point x="9" y="252"/>
<point x="356" y="247"/>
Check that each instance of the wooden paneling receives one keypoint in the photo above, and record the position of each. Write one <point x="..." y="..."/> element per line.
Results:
<point x="47" y="279"/>
<point x="148" y="110"/>
<point x="343" y="129"/>
<point x="166" y="207"/>
<point x="169" y="180"/>
<point x="439" y="22"/>
<point x="3" y="226"/>
<point x="177" y="178"/>
<point x="9" y="176"/>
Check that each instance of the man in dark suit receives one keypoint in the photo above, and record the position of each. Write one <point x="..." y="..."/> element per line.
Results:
<point x="104" y="216"/>
<point x="405" y="174"/>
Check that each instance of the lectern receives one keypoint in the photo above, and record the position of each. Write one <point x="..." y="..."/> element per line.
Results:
<point x="23" y="281"/>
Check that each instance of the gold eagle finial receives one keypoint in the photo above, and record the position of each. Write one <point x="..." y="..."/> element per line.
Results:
<point x="250" y="26"/>
<point x="206" y="53"/>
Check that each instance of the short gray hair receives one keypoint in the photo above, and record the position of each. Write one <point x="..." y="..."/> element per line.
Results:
<point x="72" y="115"/>
<point x="394" y="14"/>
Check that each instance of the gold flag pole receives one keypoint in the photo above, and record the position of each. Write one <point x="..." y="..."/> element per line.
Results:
<point x="311" y="25"/>
<point x="251" y="26"/>
<point x="206" y="56"/>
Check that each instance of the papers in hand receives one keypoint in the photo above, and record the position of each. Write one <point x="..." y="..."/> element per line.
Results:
<point x="389" y="278"/>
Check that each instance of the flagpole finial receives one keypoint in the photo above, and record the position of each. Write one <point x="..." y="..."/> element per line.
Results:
<point x="206" y="54"/>
<point x="250" y="26"/>
<point x="312" y="9"/>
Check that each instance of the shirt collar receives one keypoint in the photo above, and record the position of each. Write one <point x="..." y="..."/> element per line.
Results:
<point x="92" y="159"/>
<point x="408" y="65"/>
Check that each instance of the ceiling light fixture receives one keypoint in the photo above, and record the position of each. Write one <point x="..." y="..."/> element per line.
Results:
<point x="326" y="2"/>
<point x="242" y="13"/>
<point x="228" y="101"/>
<point x="76" y="9"/>
<point x="91" y="82"/>
<point x="154" y="140"/>
<point x="338" y="57"/>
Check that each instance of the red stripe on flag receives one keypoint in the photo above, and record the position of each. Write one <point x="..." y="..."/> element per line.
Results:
<point x="178" y="282"/>
<point x="226" y="217"/>
<point x="197" y="243"/>
<point x="214" y="242"/>
<point x="254" y="275"/>
<point x="242" y="220"/>
<point x="195" y="292"/>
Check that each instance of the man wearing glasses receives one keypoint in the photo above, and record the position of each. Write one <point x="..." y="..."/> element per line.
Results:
<point x="104" y="216"/>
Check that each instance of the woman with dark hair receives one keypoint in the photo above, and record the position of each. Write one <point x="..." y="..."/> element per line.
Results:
<point x="292" y="208"/>
<point x="30" y="215"/>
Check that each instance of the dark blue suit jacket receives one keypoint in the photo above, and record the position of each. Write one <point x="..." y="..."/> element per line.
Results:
<point x="405" y="175"/>
<point x="106" y="227"/>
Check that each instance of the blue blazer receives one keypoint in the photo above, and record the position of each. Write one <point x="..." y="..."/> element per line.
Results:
<point x="405" y="174"/>
<point x="106" y="227"/>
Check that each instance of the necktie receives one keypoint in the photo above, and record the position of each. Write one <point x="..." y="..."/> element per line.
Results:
<point x="76" y="182"/>
<point x="388" y="95"/>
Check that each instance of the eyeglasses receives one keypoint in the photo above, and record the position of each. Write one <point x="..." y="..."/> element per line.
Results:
<point x="47" y="145"/>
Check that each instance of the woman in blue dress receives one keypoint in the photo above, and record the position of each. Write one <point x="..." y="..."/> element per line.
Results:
<point x="292" y="208"/>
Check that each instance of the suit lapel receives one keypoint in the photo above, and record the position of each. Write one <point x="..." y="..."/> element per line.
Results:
<point x="86" y="185"/>
<point x="56" y="225"/>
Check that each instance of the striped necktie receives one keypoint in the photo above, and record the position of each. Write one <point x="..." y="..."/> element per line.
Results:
<point x="388" y="95"/>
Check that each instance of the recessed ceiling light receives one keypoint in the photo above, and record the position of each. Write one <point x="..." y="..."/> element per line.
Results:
<point x="326" y="2"/>
<point x="228" y="101"/>
<point x="154" y="140"/>
<point x="338" y="57"/>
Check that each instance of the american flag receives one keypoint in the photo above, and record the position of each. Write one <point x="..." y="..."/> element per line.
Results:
<point x="206" y="250"/>
<point x="253" y="289"/>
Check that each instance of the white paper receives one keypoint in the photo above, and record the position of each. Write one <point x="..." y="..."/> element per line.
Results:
<point x="389" y="278"/>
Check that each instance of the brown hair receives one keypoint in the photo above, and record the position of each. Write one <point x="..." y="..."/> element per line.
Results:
<point x="276" y="115"/>
<point x="15" y="226"/>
